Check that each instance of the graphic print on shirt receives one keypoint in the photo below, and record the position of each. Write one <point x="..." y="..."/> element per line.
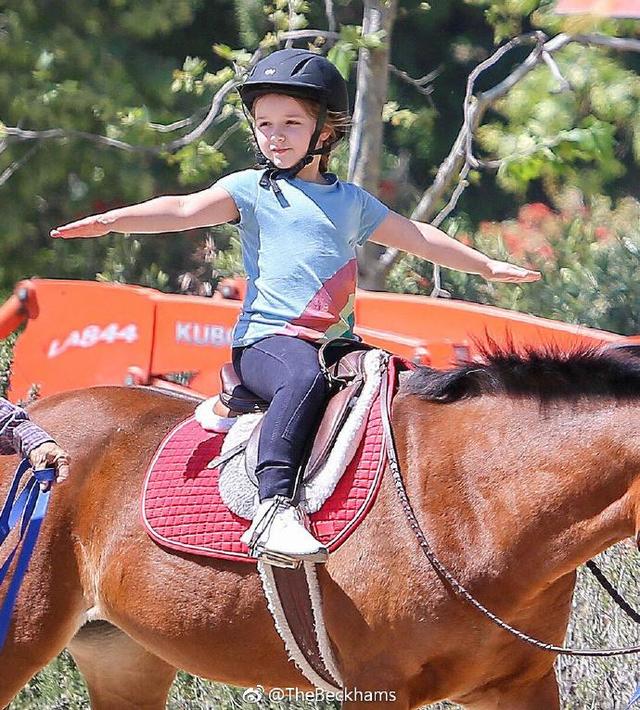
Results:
<point x="330" y="313"/>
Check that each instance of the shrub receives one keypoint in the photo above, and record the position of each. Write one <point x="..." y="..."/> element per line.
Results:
<point x="588" y="256"/>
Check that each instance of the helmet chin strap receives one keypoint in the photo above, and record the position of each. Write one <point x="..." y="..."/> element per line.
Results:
<point x="273" y="172"/>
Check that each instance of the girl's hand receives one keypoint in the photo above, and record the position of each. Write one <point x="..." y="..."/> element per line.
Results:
<point x="502" y="271"/>
<point x="94" y="226"/>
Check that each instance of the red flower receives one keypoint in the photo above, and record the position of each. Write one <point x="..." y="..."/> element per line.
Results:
<point x="603" y="234"/>
<point x="534" y="214"/>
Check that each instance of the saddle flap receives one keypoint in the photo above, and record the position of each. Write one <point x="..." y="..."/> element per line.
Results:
<point x="342" y="359"/>
<point x="334" y="417"/>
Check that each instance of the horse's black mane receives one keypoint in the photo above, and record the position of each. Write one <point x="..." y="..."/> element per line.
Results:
<point x="548" y="374"/>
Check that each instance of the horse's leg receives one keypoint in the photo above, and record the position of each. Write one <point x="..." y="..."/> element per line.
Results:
<point x="20" y="661"/>
<point x="48" y="611"/>
<point x="535" y="694"/>
<point x="120" y="674"/>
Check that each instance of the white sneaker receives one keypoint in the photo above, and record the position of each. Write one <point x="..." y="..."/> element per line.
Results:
<point x="212" y="415"/>
<point x="278" y="529"/>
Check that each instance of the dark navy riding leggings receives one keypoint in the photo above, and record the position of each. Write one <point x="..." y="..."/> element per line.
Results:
<point x="284" y="371"/>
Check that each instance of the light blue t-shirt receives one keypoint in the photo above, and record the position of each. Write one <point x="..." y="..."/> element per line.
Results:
<point x="299" y="254"/>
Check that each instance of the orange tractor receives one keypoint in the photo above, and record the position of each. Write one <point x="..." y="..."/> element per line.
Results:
<point x="81" y="333"/>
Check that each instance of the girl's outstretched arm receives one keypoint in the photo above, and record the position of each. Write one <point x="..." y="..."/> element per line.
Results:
<point x="428" y="242"/>
<point x="172" y="213"/>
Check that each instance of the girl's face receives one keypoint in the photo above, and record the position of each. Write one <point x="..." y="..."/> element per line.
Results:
<point x="283" y="129"/>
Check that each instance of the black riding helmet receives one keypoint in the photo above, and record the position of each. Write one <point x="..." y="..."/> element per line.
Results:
<point x="301" y="74"/>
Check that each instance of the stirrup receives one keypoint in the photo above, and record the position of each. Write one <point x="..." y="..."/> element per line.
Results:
<point x="276" y="559"/>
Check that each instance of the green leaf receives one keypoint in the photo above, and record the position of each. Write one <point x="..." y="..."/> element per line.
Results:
<point x="342" y="54"/>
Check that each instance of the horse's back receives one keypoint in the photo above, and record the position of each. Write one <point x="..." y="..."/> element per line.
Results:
<point x="89" y="423"/>
<point x="81" y="416"/>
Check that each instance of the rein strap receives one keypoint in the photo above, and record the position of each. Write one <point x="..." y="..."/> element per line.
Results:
<point x="444" y="573"/>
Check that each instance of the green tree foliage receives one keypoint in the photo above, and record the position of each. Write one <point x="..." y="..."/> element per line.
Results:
<point x="547" y="139"/>
<point x="588" y="256"/>
<point x="6" y="352"/>
<point x="551" y="143"/>
<point x="580" y="137"/>
<point x="103" y="69"/>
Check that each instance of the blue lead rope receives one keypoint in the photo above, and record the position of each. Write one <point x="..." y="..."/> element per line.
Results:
<point x="634" y="698"/>
<point x="28" y="508"/>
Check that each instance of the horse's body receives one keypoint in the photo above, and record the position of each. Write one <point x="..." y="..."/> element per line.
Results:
<point x="512" y="495"/>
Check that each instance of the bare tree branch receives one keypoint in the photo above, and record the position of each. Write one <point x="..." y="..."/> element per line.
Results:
<point x="229" y="132"/>
<point x="15" y="166"/>
<point x="473" y="105"/>
<point x="453" y="201"/>
<point x="176" y="125"/>
<point x="461" y="158"/>
<point x="214" y="110"/>
<point x="439" y="219"/>
<point x="563" y="84"/>
<point x="331" y="19"/>
<point x="185" y="122"/>
<point x="22" y="135"/>
<point x="419" y="84"/>
<point x="620" y="44"/>
<point x="289" y="43"/>
<point x="303" y="34"/>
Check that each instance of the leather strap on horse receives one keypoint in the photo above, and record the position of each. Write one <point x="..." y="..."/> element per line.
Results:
<point x="612" y="591"/>
<point x="294" y="600"/>
<point x="444" y="573"/>
<point x="27" y="508"/>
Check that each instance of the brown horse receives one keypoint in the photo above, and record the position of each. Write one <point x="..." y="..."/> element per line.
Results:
<point x="519" y="470"/>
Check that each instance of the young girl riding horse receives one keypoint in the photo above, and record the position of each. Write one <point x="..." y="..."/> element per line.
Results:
<point x="299" y="228"/>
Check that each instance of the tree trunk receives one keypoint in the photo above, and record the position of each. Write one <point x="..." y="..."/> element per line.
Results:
<point x="365" y="149"/>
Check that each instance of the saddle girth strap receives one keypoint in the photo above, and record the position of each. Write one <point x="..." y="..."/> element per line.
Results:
<point x="293" y="597"/>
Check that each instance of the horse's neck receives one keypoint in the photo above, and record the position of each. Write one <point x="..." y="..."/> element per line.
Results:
<point x="558" y="481"/>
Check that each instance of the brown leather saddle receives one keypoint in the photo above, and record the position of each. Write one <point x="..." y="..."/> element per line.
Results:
<point x="342" y="362"/>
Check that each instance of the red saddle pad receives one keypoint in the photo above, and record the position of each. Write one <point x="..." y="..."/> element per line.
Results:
<point x="182" y="508"/>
